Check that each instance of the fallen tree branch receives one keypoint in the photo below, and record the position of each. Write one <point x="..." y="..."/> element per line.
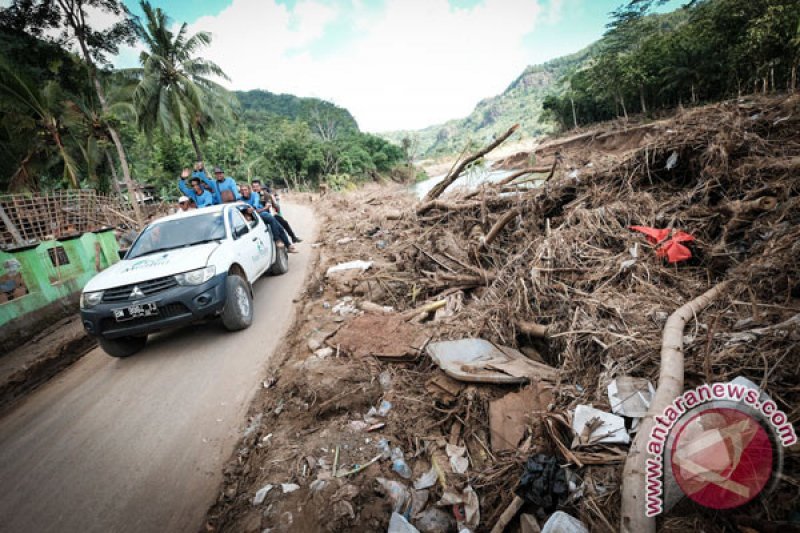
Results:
<point x="670" y="385"/>
<point x="453" y="175"/>
<point x="530" y="170"/>
<point x="498" y="227"/>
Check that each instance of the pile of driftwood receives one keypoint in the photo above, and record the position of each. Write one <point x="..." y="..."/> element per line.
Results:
<point x="555" y="268"/>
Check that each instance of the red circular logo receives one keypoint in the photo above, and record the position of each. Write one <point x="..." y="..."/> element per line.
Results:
<point x="722" y="458"/>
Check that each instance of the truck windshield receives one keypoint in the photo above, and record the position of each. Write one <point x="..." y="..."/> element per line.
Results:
<point x="178" y="233"/>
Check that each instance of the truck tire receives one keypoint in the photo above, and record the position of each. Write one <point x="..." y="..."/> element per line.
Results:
<point x="238" y="312"/>
<point x="281" y="264"/>
<point x="123" y="346"/>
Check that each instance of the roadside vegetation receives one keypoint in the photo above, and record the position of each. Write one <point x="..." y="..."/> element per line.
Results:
<point x="71" y="120"/>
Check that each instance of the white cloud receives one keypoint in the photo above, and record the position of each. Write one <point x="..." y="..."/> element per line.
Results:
<point x="413" y="64"/>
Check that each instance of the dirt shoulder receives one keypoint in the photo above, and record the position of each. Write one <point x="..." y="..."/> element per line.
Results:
<point x="42" y="357"/>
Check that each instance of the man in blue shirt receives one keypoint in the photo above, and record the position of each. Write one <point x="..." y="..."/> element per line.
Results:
<point x="224" y="188"/>
<point x="201" y="197"/>
<point x="250" y="197"/>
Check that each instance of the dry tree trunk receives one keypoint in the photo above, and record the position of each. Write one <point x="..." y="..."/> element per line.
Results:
<point x="670" y="385"/>
<point x="440" y="187"/>
<point x="498" y="227"/>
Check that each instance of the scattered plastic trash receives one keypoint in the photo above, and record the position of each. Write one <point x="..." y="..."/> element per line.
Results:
<point x="385" y="379"/>
<point x="384" y="448"/>
<point x="672" y="160"/>
<point x="384" y="408"/>
<point x="478" y="360"/>
<point x="399" y="464"/>
<point x="630" y="396"/>
<point x="254" y="424"/>
<point x="561" y="522"/>
<point x="345" y="307"/>
<point x="426" y="480"/>
<point x="433" y="520"/>
<point x="289" y="487"/>
<point x="419" y="498"/>
<point x="381" y="245"/>
<point x="345" y="240"/>
<point x="467" y="506"/>
<point x="350" y="265"/>
<point x="322" y="353"/>
<point x="458" y="462"/>
<point x="543" y="482"/>
<point x="261" y="494"/>
<point x="399" y="524"/>
<point x="397" y="493"/>
<point x="593" y="426"/>
<point x="317" y="485"/>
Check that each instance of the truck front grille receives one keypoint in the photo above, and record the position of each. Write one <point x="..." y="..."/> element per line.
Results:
<point x="147" y="288"/>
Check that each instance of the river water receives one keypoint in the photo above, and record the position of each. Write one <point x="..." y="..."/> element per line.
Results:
<point x="469" y="179"/>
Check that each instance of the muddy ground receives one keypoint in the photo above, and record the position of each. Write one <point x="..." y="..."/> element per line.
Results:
<point x="557" y="272"/>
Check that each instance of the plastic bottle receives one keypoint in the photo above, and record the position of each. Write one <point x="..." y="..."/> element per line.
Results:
<point x="399" y="464"/>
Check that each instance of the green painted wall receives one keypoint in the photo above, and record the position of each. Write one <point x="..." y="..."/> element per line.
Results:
<point x="47" y="283"/>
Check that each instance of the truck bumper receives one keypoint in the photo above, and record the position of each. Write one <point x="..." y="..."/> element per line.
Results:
<point x="178" y="306"/>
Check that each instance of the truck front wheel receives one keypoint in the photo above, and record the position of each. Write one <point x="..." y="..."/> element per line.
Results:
<point x="238" y="312"/>
<point x="123" y="346"/>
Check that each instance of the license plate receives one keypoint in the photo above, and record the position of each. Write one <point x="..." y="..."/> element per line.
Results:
<point x="135" y="311"/>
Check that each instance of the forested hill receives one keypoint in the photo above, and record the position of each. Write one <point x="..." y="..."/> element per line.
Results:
<point x="644" y="64"/>
<point x="520" y="103"/>
<point x="293" y="107"/>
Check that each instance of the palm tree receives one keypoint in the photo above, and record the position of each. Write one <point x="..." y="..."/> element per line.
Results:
<point x="46" y="105"/>
<point x="175" y="90"/>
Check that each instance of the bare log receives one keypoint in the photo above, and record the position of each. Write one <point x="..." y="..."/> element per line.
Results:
<point x="670" y="385"/>
<point x="453" y="175"/>
<point x="533" y="329"/>
<point x="498" y="227"/>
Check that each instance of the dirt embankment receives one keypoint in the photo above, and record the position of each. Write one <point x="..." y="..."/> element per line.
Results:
<point x="557" y="273"/>
<point x="42" y="357"/>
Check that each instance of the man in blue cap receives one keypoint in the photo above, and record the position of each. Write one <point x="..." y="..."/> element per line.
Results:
<point x="224" y="190"/>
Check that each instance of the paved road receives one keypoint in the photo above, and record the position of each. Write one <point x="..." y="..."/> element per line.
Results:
<point x="138" y="444"/>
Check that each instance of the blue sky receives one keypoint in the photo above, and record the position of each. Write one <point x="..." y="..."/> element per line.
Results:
<point x="395" y="64"/>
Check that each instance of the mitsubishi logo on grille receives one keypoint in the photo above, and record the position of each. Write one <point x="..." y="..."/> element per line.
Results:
<point x="136" y="293"/>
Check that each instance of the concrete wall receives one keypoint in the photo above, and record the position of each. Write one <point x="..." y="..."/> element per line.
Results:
<point x="52" y="289"/>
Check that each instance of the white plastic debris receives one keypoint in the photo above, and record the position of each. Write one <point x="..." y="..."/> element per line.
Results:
<point x="592" y="426"/>
<point x="345" y="240"/>
<point x="630" y="396"/>
<point x="458" y="462"/>
<point x="350" y="265"/>
<point x="289" y="487"/>
<point x="398" y="524"/>
<point x="561" y="522"/>
<point x="672" y="160"/>
<point x="261" y="494"/>
<point x="426" y="480"/>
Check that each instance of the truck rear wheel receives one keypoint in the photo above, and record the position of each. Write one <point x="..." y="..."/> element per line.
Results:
<point x="238" y="312"/>
<point x="281" y="264"/>
<point x="123" y="346"/>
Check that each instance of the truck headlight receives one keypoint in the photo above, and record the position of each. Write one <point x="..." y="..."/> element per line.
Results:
<point x="196" y="277"/>
<point x="90" y="299"/>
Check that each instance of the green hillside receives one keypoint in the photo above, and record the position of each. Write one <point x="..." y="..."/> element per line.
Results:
<point x="292" y="107"/>
<point x="520" y="103"/>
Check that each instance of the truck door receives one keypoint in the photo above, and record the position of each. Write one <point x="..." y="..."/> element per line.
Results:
<point x="246" y="244"/>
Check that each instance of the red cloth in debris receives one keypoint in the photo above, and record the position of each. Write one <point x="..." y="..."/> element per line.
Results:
<point x="672" y="250"/>
<point x="654" y="236"/>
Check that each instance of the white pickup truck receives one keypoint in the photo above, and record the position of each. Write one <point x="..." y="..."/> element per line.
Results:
<point x="182" y="268"/>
